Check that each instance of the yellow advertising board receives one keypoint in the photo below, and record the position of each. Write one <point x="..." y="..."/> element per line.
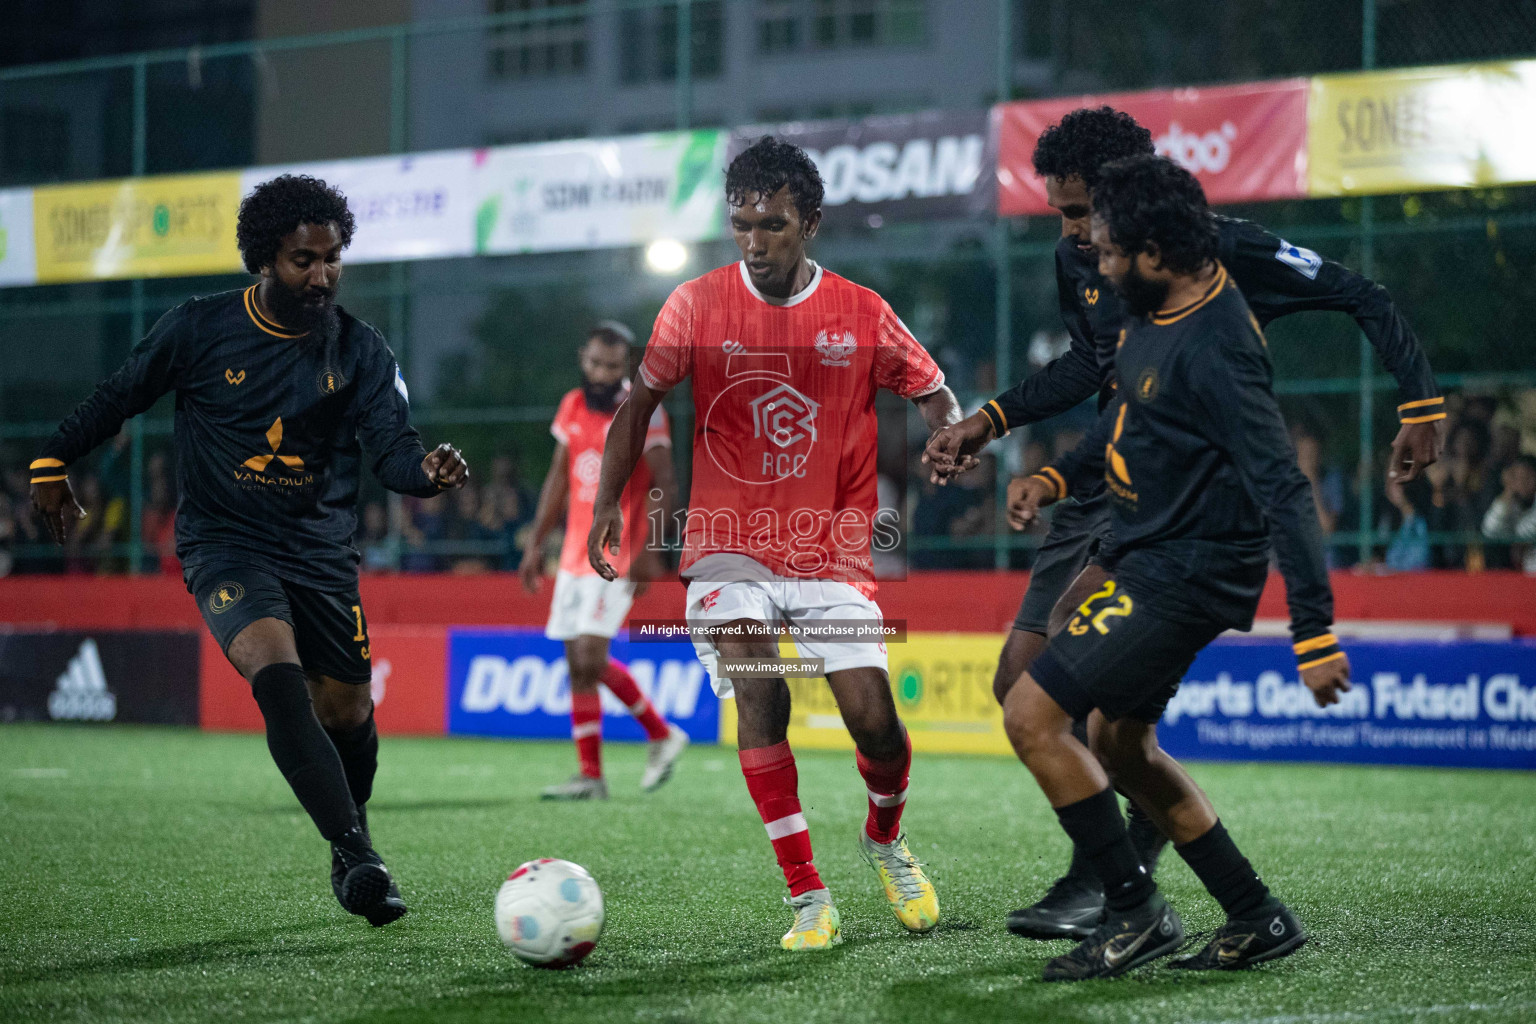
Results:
<point x="1453" y="126"/>
<point x="137" y="227"/>
<point x="943" y="688"/>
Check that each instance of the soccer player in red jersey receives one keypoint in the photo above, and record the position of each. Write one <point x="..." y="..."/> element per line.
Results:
<point x="786" y="358"/>
<point x="587" y="610"/>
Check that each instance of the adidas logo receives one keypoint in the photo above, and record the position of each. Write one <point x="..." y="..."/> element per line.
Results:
<point x="81" y="694"/>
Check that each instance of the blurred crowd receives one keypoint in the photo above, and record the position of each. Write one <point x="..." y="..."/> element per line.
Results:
<point x="1473" y="510"/>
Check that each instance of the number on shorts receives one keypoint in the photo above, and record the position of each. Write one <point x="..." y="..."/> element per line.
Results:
<point x="357" y="612"/>
<point x="1120" y="607"/>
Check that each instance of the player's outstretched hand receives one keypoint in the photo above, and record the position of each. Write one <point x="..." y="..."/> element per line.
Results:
<point x="607" y="528"/>
<point x="952" y="449"/>
<point x="1416" y="445"/>
<point x="1027" y="495"/>
<point x="445" y="466"/>
<point x="1328" y="680"/>
<point x="55" y="503"/>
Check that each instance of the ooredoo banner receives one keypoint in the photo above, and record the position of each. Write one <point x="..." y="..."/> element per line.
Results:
<point x="922" y="166"/>
<point x="600" y="193"/>
<point x="514" y="682"/>
<point x="99" y="676"/>
<point x="414" y="207"/>
<point x="1466" y="705"/>
<point x="1244" y="142"/>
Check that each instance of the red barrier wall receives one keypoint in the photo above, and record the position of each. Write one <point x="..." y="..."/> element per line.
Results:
<point x="410" y="665"/>
<point x="958" y="601"/>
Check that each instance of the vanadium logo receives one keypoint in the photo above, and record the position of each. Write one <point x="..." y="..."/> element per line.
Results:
<point x="81" y="693"/>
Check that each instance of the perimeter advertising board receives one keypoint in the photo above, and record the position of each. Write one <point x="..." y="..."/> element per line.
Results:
<point x="600" y="193"/>
<point x="514" y="682"/>
<point x="1246" y="143"/>
<point x="902" y="167"/>
<point x="99" y="676"/>
<point x="18" y="263"/>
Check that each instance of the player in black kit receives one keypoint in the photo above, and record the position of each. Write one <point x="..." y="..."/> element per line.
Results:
<point x="1276" y="278"/>
<point x="279" y="393"/>
<point x="1201" y="477"/>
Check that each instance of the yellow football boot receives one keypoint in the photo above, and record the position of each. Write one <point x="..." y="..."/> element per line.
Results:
<point x="912" y="898"/>
<point x="817" y="925"/>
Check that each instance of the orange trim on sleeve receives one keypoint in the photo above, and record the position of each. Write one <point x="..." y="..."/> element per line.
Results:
<point x="49" y="479"/>
<point x="1316" y="643"/>
<point x="1424" y="419"/>
<point x="46" y="464"/>
<point x="1055" y="479"/>
<point x="1421" y="403"/>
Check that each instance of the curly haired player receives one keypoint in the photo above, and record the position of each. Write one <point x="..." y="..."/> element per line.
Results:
<point x="1276" y="279"/>
<point x="279" y="393"/>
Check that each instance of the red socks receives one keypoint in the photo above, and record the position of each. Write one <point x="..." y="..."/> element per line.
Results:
<point x="618" y="680"/>
<point x="587" y="731"/>
<point x="887" y="784"/>
<point x="775" y="784"/>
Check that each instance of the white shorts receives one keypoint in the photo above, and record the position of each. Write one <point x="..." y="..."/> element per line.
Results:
<point x="725" y="588"/>
<point x="588" y="605"/>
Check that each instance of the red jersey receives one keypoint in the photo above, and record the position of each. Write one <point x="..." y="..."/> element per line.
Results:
<point x="583" y="432"/>
<point x="785" y="430"/>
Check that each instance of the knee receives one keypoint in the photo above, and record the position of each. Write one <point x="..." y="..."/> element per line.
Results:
<point x="1019" y="652"/>
<point x="346" y="709"/>
<point x="1028" y="730"/>
<point x="585" y="671"/>
<point x="1115" y="755"/>
<point x="877" y="735"/>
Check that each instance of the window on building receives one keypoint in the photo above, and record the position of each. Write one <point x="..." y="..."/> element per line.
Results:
<point x="787" y="25"/>
<point x="552" y="42"/>
<point x="34" y="144"/>
<point x="648" y="42"/>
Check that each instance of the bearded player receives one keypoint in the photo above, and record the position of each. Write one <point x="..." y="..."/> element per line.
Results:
<point x="280" y="396"/>
<point x="786" y="358"/>
<point x="587" y="610"/>
<point x="1276" y="279"/>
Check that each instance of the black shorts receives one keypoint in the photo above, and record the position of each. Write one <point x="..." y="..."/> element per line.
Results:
<point x="1120" y="657"/>
<point x="1072" y="543"/>
<point x="329" y="628"/>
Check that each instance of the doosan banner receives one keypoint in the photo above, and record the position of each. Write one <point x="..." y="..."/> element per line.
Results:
<point x="1466" y="705"/>
<point x="1244" y="142"/>
<point x="923" y="166"/>
<point x="514" y="682"/>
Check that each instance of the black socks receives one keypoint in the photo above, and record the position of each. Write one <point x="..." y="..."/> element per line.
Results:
<point x="1226" y="873"/>
<point x="358" y="749"/>
<point x="302" y="750"/>
<point x="1098" y="835"/>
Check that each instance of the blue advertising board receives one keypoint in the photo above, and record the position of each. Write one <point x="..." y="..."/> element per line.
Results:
<point x="1455" y="704"/>
<point x="513" y="682"/>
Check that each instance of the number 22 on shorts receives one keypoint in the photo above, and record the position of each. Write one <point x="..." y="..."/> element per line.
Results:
<point x="1112" y="607"/>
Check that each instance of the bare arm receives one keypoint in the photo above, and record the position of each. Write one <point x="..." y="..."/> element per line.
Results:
<point x="939" y="408"/>
<point x="551" y="504"/>
<point x="626" y="441"/>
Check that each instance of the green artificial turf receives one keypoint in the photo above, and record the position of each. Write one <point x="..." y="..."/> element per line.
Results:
<point x="168" y="875"/>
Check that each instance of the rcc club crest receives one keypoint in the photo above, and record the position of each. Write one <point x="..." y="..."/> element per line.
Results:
<point x="784" y="416"/>
<point x="835" y="347"/>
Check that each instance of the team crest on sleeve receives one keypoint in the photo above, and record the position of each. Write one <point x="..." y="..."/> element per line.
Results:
<point x="405" y="392"/>
<point x="224" y="597"/>
<point x="835" y="347"/>
<point x="1304" y="261"/>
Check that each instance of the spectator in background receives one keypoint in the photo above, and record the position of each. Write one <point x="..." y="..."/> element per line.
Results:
<point x="158" y="525"/>
<point x="505" y="512"/>
<point x="467" y="529"/>
<point x="1511" y="519"/>
<point x="7" y="533"/>
<point x="374" y="542"/>
<point x="1327" y="485"/>
<point x="425" y="522"/>
<point x="1408" y="550"/>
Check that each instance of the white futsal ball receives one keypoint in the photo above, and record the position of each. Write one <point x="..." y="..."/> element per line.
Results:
<point x="549" y="912"/>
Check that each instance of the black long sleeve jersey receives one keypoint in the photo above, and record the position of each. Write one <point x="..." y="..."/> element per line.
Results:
<point x="267" y="432"/>
<point x="1201" y="473"/>
<point x="1275" y="277"/>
